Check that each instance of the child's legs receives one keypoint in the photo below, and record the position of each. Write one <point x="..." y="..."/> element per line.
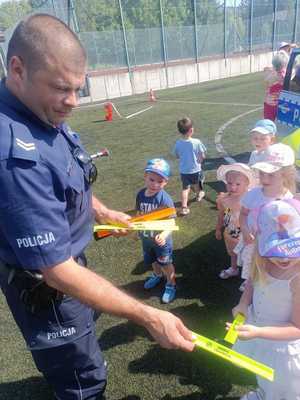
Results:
<point x="157" y="268"/>
<point x="270" y="111"/>
<point x="164" y="262"/>
<point x="233" y="261"/>
<point x="169" y="272"/>
<point x="185" y="197"/>
<point x="186" y="186"/>
<point x="230" y="244"/>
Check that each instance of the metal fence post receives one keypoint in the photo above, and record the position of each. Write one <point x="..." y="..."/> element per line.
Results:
<point x="72" y="16"/>
<point x="251" y="9"/>
<point x="274" y="24"/>
<point x="126" y="47"/>
<point x="295" y="22"/>
<point x="196" y="38"/>
<point x="164" y="41"/>
<point x="225" y="30"/>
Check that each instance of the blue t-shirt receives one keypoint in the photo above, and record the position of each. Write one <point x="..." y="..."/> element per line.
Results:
<point x="145" y="204"/>
<point x="45" y="203"/>
<point x="188" y="151"/>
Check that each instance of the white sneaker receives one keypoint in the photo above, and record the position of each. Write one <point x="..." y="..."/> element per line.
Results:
<point x="200" y="195"/>
<point x="253" y="395"/>
<point x="184" y="211"/>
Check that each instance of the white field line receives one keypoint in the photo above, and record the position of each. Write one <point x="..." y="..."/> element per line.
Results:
<point x="114" y="107"/>
<point x="219" y="135"/>
<point x="138" y="112"/>
<point x="208" y="103"/>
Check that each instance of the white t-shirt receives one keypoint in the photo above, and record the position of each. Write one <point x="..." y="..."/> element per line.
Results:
<point x="254" y="200"/>
<point x="257" y="156"/>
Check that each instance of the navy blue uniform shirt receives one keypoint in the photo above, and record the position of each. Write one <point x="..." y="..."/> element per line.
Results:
<point x="45" y="200"/>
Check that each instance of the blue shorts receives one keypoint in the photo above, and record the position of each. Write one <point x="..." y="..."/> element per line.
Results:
<point x="154" y="253"/>
<point x="192" y="179"/>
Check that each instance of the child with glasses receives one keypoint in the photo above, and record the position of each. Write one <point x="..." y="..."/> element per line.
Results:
<point x="157" y="246"/>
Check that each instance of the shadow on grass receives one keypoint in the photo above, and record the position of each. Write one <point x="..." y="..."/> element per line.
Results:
<point x="176" y="369"/>
<point x="197" y="267"/>
<point x="27" y="389"/>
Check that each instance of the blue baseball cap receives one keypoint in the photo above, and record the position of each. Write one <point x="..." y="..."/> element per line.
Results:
<point x="159" y="166"/>
<point x="265" y="127"/>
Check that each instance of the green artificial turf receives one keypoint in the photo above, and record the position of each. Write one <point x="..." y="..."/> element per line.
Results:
<point x="138" y="368"/>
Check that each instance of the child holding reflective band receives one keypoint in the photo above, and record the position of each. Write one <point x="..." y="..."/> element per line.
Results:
<point x="157" y="246"/>
<point x="271" y="302"/>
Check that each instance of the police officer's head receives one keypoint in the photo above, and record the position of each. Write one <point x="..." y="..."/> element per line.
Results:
<point x="46" y="67"/>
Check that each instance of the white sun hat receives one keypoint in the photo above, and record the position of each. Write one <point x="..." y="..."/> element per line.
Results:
<point x="243" y="169"/>
<point x="276" y="156"/>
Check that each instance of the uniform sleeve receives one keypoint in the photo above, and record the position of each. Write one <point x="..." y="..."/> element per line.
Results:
<point x="33" y="218"/>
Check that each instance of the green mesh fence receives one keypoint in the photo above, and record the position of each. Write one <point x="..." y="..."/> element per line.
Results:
<point x="131" y="33"/>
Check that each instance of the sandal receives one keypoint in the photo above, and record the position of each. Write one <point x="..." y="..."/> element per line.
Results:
<point x="228" y="273"/>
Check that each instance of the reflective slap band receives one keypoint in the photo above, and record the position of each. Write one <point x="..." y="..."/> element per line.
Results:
<point x="234" y="357"/>
<point x="157" y="214"/>
<point x="232" y="335"/>
<point x="164" y="225"/>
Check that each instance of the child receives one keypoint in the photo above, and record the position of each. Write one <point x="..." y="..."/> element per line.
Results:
<point x="274" y="78"/>
<point x="271" y="302"/>
<point x="191" y="153"/>
<point x="237" y="177"/>
<point x="277" y="180"/>
<point x="157" y="246"/>
<point x="262" y="136"/>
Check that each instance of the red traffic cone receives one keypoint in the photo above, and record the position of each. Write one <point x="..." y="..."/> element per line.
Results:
<point x="108" y="109"/>
<point x="152" y="95"/>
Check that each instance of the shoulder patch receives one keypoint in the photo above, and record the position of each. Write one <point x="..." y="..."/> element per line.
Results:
<point x="23" y="143"/>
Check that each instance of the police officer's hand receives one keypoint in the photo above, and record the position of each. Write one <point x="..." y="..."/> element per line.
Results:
<point x="120" y="218"/>
<point x="168" y="330"/>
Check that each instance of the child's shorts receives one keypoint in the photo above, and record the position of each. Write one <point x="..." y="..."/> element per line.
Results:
<point x="154" y="253"/>
<point x="192" y="179"/>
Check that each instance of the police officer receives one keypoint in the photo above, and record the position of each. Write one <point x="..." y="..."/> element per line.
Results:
<point x="46" y="212"/>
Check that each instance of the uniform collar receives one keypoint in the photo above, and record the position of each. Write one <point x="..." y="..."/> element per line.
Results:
<point x="9" y="99"/>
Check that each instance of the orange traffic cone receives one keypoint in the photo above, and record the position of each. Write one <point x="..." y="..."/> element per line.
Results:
<point x="152" y="95"/>
<point x="108" y="109"/>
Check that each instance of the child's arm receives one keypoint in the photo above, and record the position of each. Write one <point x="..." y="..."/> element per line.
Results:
<point x="160" y="238"/>
<point x="290" y="331"/>
<point x="247" y="235"/>
<point x="245" y="300"/>
<point x="220" y="220"/>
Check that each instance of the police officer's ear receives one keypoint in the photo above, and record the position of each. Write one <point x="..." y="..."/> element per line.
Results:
<point x="16" y="69"/>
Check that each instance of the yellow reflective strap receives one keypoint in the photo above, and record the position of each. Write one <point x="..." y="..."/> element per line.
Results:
<point x="234" y="357"/>
<point x="162" y="225"/>
<point x="231" y="334"/>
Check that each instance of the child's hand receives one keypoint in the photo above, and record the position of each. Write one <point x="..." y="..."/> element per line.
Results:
<point x="246" y="332"/>
<point x="240" y="308"/>
<point x="218" y="234"/>
<point x="248" y="237"/>
<point x="160" y="240"/>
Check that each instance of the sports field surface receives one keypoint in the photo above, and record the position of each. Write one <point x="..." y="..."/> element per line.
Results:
<point x="138" y="368"/>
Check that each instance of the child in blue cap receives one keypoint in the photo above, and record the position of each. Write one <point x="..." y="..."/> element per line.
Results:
<point x="157" y="246"/>
<point x="262" y="136"/>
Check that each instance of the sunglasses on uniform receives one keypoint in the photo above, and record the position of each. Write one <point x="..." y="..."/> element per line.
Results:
<point x="86" y="161"/>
